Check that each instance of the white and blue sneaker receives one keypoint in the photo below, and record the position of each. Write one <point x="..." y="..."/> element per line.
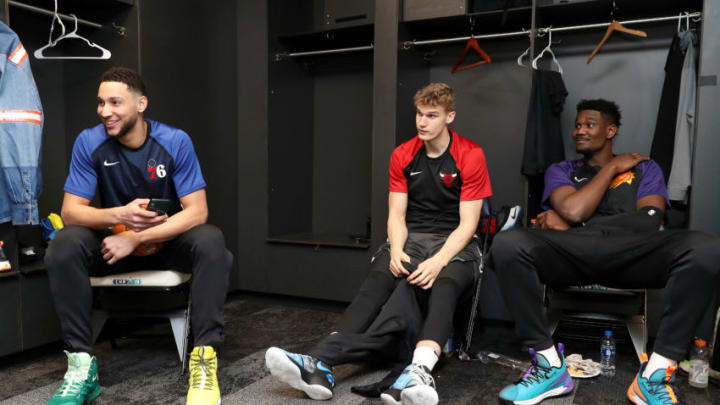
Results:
<point x="301" y="372"/>
<point x="540" y="381"/>
<point x="415" y="386"/>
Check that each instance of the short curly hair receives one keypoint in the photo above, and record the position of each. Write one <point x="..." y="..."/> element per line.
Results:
<point x="435" y="94"/>
<point x="125" y="75"/>
<point x="607" y="108"/>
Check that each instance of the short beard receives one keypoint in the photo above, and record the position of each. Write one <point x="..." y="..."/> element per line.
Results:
<point x="125" y="128"/>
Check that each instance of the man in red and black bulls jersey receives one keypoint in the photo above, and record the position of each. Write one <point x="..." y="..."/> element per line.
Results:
<point x="438" y="181"/>
<point x="130" y="160"/>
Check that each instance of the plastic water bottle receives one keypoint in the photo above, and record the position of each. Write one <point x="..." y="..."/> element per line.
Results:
<point x="699" y="367"/>
<point x="607" y="354"/>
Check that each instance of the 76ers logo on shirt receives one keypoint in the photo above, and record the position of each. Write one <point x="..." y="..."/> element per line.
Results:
<point x="448" y="178"/>
<point x="156" y="170"/>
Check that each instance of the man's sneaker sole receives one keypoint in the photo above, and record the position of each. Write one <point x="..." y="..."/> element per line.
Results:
<point x="556" y="392"/>
<point x="419" y="395"/>
<point x="388" y="399"/>
<point x="288" y="372"/>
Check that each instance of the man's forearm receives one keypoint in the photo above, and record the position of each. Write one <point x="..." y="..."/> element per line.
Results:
<point x="455" y="243"/>
<point x="397" y="233"/>
<point x="90" y="217"/>
<point x="580" y="205"/>
<point x="174" y="226"/>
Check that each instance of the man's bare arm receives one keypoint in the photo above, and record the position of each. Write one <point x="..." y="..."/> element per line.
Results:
<point x="76" y="210"/>
<point x="397" y="232"/>
<point x="577" y="205"/>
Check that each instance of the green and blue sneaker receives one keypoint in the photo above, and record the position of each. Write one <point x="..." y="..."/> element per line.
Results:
<point x="301" y="372"/>
<point x="540" y="381"/>
<point x="656" y="390"/>
<point x="80" y="384"/>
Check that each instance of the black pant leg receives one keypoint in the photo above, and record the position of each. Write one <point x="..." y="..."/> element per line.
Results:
<point x="522" y="260"/>
<point x="454" y="282"/>
<point x="374" y="292"/>
<point x="69" y="259"/>
<point x="390" y="337"/>
<point x="693" y="260"/>
<point x="201" y="250"/>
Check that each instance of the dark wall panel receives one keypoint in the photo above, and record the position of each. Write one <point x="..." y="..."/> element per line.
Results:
<point x="188" y="61"/>
<point x="252" y="145"/>
<point x="342" y="135"/>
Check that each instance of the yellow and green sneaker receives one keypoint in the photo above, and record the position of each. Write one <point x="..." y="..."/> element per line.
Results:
<point x="204" y="388"/>
<point x="80" y="384"/>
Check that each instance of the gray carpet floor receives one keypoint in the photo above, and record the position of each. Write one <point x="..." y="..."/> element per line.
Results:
<point x="147" y="371"/>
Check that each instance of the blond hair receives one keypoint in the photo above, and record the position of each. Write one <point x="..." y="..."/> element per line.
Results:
<point x="436" y="94"/>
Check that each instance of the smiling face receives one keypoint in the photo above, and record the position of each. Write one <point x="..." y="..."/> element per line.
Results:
<point x="593" y="132"/>
<point x="431" y="121"/>
<point x="119" y="108"/>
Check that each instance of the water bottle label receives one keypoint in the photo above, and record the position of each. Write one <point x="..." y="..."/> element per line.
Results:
<point x="607" y="352"/>
<point x="699" y="372"/>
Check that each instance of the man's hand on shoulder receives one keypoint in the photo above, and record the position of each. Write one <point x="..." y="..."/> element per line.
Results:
<point x="552" y="220"/>
<point x="119" y="246"/>
<point x="426" y="273"/>
<point x="137" y="218"/>
<point x="626" y="161"/>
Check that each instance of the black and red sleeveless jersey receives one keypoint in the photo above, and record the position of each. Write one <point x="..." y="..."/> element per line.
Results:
<point x="435" y="186"/>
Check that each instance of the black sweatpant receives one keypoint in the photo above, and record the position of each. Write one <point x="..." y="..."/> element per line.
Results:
<point x="389" y="316"/>
<point x="74" y="255"/>
<point x="686" y="263"/>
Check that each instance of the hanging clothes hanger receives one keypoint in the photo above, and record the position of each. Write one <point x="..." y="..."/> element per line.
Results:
<point x="547" y="49"/>
<point x="614" y="26"/>
<point x="524" y="54"/>
<point x="472" y="43"/>
<point x="73" y="34"/>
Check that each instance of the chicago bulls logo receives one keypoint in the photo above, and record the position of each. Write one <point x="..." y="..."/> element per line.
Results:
<point x="448" y="178"/>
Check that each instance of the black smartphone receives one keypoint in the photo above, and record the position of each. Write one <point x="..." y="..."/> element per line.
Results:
<point x="159" y="205"/>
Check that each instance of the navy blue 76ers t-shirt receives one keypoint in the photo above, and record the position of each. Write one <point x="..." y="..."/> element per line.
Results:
<point x="165" y="166"/>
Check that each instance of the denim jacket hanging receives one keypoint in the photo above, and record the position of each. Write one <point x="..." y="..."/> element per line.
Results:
<point x="21" y="123"/>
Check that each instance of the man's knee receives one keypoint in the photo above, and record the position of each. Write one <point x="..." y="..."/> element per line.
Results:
<point x="207" y="239"/>
<point x="704" y="254"/>
<point x="68" y="242"/>
<point x="507" y="245"/>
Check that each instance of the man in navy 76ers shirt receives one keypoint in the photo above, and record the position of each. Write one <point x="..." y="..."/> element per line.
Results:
<point x="438" y="181"/>
<point x="129" y="160"/>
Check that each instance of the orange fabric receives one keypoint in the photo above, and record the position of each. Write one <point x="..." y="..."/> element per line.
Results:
<point x="621" y="178"/>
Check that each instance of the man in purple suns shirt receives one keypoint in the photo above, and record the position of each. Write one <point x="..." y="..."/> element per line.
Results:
<point x="601" y="225"/>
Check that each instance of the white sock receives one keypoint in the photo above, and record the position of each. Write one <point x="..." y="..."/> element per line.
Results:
<point x="425" y="356"/>
<point x="551" y="355"/>
<point x="657" y="362"/>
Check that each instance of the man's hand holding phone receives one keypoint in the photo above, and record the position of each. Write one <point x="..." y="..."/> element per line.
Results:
<point x="137" y="217"/>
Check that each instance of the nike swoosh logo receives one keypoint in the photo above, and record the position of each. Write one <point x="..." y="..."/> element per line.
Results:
<point x="580" y="180"/>
<point x="110" y="164"/>
<point x="414" y="173"/>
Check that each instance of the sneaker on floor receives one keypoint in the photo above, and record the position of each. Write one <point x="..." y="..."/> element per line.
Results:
<point x="80" y="384"/>
<point x="301" y="372"/>
<point x="540" y="381"/>
<point x="656" y="390"/>
<point x="204" y="389"/>
<point x="415" y="386"/>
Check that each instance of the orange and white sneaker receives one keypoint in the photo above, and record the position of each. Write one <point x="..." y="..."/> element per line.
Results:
<point x="656" y="390"/>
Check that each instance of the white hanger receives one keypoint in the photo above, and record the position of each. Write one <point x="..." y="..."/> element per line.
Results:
<point x="73" y="34"/>
<point x="547" y="49"/>
<point x="524" y="54"/>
